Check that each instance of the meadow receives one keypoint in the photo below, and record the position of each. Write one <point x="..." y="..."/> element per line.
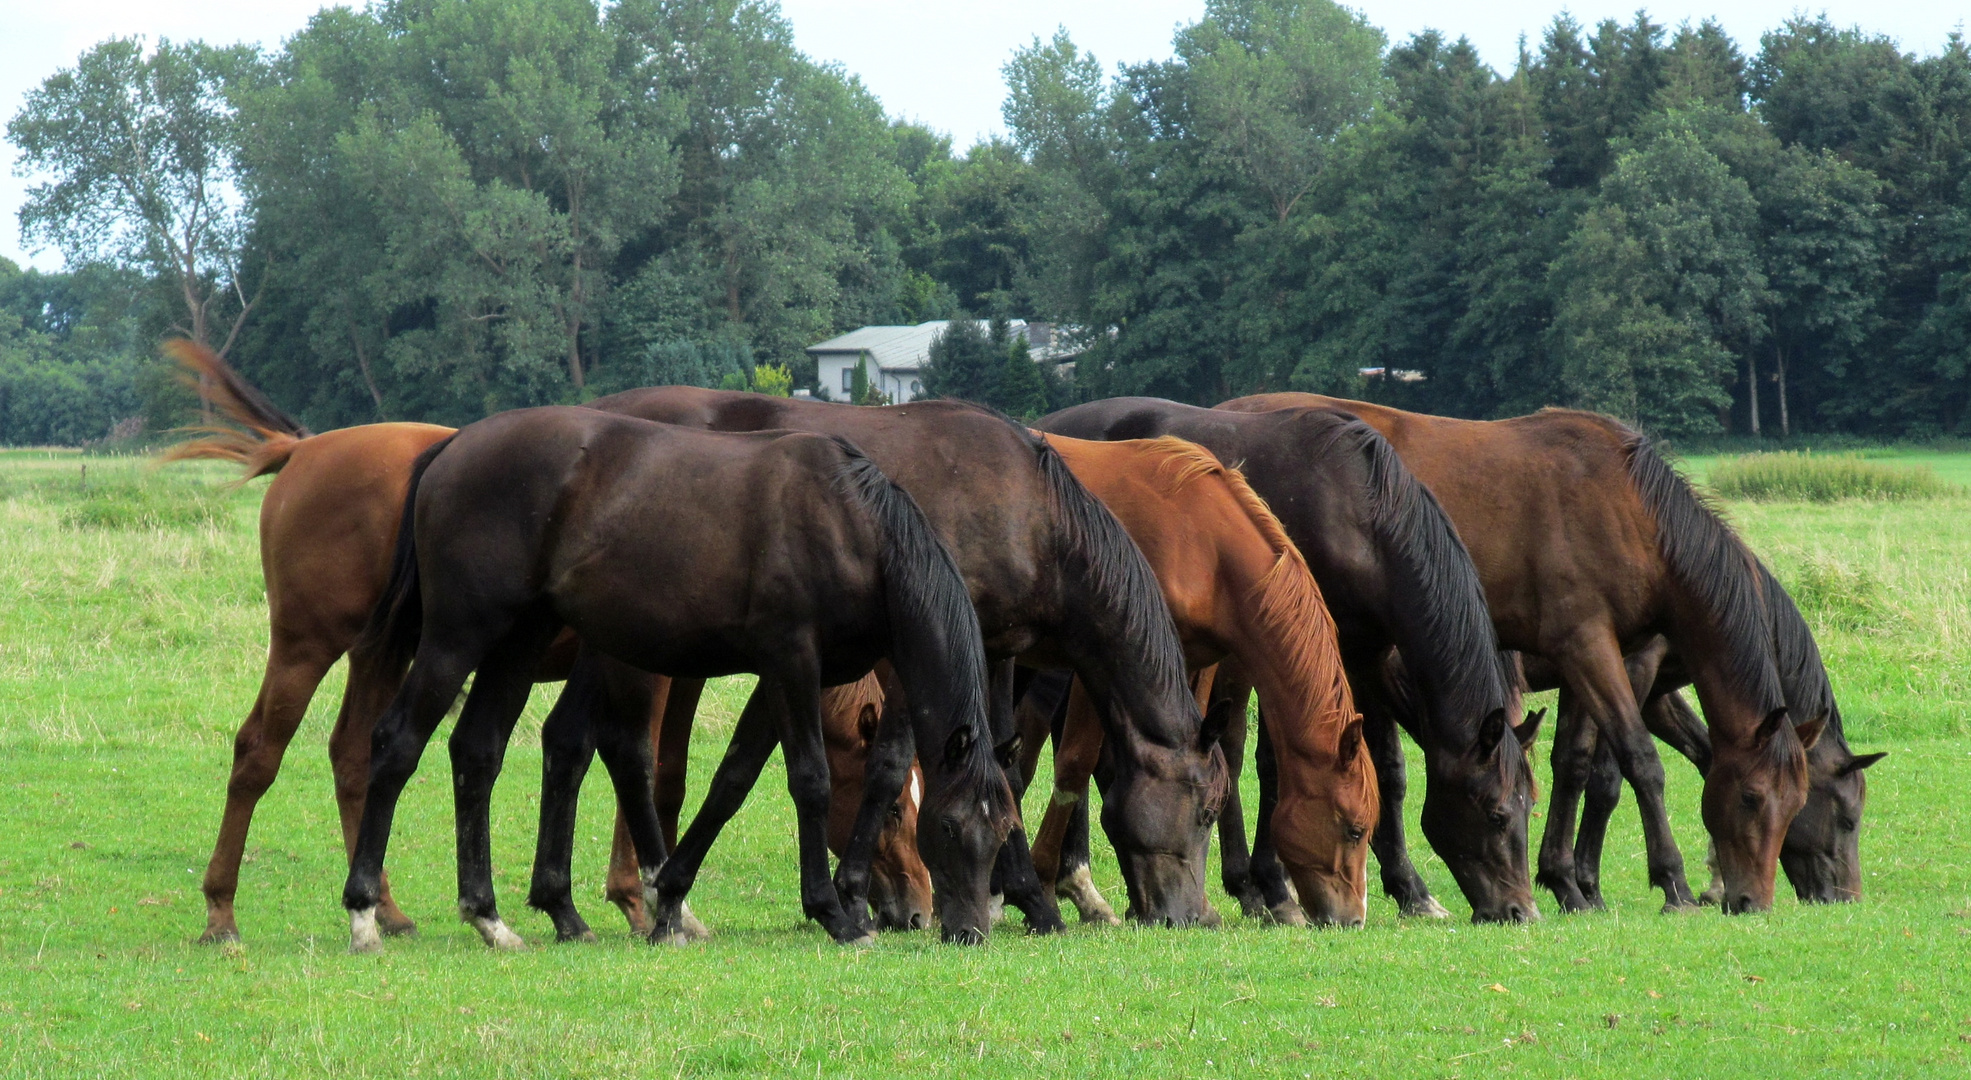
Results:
<point x="133" y="627"/>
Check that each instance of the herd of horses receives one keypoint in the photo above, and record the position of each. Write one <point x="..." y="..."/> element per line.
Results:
<point x="932" y="593"/>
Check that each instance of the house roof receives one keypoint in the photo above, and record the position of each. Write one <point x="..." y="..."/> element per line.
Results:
<point x="908" y="348"/>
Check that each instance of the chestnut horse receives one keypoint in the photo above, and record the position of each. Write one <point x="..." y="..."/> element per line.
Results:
<point x="687" y="553"/>
<point x="1057" y="583"/>
<point x="328" y="523"/>
<point x="1395" y="577"/>
<point x="1239" y="592"/>
<point x="1589" y="544"/>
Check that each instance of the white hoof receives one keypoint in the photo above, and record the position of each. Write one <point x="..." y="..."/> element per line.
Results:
<point x="1429" y="909"/>
<point x="496" y="935"/>
<point x="364" y="937"/>
<point x="1287" y="914"/>
<point x="693" y="929"/>
<point x="1079" y="888"/>
<point x="996" y="909"/>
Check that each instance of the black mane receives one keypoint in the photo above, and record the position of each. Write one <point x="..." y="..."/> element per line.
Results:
<point x="1438" y="591"/>
<point x="1802" y="675"/>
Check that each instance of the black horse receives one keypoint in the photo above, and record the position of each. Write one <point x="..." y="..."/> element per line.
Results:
<point x="1056" y="582"/>
<point x="1397" y="578"/>
<point x="684" y="553"/>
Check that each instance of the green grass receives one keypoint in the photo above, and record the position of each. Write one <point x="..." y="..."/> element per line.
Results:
<point x="128" y="655"/>
<point x="1806" y="477"/>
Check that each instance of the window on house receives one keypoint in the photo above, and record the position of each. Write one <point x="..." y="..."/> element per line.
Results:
<point x="916" y="388"/>
<point x="848" y="378"/>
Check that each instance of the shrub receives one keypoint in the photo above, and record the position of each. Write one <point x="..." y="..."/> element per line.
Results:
<point x="1823" y="478"/>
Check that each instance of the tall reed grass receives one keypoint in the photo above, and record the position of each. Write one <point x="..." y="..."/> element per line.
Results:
<point x="1809" y="477"/>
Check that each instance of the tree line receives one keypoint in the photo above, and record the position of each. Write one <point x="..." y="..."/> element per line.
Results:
<point x="434" y="209"/>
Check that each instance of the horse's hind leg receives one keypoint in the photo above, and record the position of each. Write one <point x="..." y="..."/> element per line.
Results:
<point x="1573" y="757"/>
<point x="1013" y="870"/>
<point x="567" y="747"/>
<point x="367" y="693"/>
<point x="478" y="749"/>
<point x="674" y="707"/>
<point x="292" y="675"/>
<point x="623" y="737"/>
<point x="1077" y="749"/>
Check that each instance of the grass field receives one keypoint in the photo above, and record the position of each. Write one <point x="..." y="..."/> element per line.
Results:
<point x="132" y="627"/>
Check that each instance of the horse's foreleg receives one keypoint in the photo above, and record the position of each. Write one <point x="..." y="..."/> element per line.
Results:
<point x="674" y="705"/>
<point x="1013" y="870"/>
<point x="367" y="693"/>
<point x="1384" y="736"/>
<point x="753" y="740"/>
<point x="623" y="737"/>
<point x="1572" y="757"/>
<point x="290" y="681"/>
<point x="1603" y="795"/>
<point x="1268" y="875"/>
<point x="1077" y="751"/>
<point x="807" y="784"/>
<point x="1235" y="858"/>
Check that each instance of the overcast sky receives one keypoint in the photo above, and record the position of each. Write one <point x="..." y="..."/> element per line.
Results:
<point x="929" y="60"/>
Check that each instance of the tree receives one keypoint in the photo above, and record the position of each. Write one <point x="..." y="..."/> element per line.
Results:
<point x="962" y="363"/>
<point x="142" y="151"/>
<point x="1020" y="390"/>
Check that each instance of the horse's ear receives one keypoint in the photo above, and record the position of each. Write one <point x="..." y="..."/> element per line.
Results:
<point x="1861" y="762"/>
<point x="958" y="747"/>
<point x="1351" y="744"/>
<point x="1529" y="728"/>
<point x="1008" y="752"/>
<point x="865" y="723"/>
<point x="1491" y="731"/>
<point x="1809" y="732"/>
<point x="1213" y="728"/>
<point x="1770" y="727"/>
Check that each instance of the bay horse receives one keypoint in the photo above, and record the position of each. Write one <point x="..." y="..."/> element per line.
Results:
<point x="1589" y="544"/>
<point x="688" y="553"/>
<point x="1238" y="591"/>
<point x="1057" y="583"/>
<point x="328" y="525"/>
<point x="1396" y="577"/>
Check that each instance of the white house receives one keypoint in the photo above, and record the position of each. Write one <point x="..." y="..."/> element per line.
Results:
<point x="897" y="354"/>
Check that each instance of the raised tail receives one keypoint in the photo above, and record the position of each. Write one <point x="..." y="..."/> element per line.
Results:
<point x="391" y="636"/>
<point x="270" y="436"/>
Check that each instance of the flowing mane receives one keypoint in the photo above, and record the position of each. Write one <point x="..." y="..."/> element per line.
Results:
<point x="1448" y="616"/>
<point x="1291" y="606"/>
<point x="1712" y="564"/>
<point x="1802" y="675"/>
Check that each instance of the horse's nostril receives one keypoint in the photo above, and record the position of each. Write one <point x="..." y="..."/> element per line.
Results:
<point x="917" y="920"/>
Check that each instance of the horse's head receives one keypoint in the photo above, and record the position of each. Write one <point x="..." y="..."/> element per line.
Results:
<point x="899" y="882"/>
<point x="1752" y="793"/>
<point x="1158" y="810"/>
<point x="961" y="827"/>
<point x="1322" y="832"/>
<point x="1476" y="802"/>
<point x="1822" y="850"/>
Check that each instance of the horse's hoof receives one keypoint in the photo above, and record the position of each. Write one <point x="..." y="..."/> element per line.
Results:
<point x="494" y="932"/>
<point x="996" y="909"/>
<point x="220" y="935"/>
<point x="399" y="925"/>
<point x="583" y="936"/>
<point x="363" y="935"/>
<point x="696" y="930"/>
<point x="867" y="939"/>
<point x="1673" y="907"/>
<point x="1286" y="913"/>
<point x="1426" y="908"/>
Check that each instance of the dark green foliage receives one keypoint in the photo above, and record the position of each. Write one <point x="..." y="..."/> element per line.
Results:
<point x="963" y="363"/>
<point x="1021" y="390"/>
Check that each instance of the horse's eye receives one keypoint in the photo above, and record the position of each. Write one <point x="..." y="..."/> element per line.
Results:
<point x="1355" y="834"/>
<point x="1751" y="800"/>
<point x="1500" y="820"/>
<point x="1207" y="815"/>
<point x="951" y="828"/>
<point x="896" y="812"/>
<point x="1848" y="824"/>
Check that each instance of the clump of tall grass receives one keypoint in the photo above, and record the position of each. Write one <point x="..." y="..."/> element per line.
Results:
<point x="136" y="502"/>
<point x="1809" y="477"/>
<point x="1837" y="594"/>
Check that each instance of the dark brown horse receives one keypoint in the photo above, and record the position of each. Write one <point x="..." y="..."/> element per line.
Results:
<point x="1589" y="545"/>
<point x="328" y="523"/>
<point x="1057" y="583"/>
<point x="1396" y="577"/>
<point x="686" y="553"/>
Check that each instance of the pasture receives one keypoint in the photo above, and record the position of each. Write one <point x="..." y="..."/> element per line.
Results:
<point x="133" y="626"/>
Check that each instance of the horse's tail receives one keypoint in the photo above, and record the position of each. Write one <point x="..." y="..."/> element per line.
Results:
<point x="395" y="624"/>
<point x="270" y="436"/>
<point x="1710" y="563"/>
<point x="932" y="622"/>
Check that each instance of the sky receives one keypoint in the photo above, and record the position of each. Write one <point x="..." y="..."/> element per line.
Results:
<point x="932" y="61"/>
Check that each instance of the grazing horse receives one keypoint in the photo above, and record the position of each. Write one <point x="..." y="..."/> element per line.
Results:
<point x="1589" y="544"/>
<point x="688" y="553"/>
<point x="1237" y="589"/>
<point x="1396" y="577"/>
<point x="328" y="524"/>
<point x="1057" y="583"/>
<point x="1822" y="852"/>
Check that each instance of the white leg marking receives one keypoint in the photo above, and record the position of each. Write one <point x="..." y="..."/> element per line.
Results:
<point x="495" y="934"/>
<point x="364" y="937"/>
<point x="1080" y="890"/>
